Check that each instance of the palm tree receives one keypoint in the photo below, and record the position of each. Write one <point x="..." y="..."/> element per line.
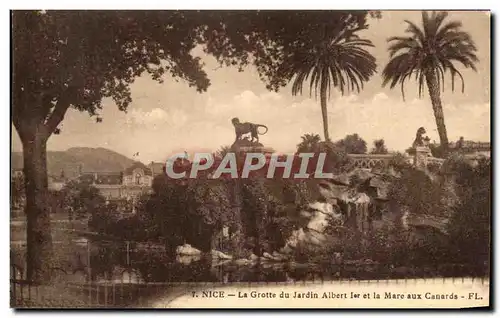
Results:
<point x="339" y="59"/>
<point x="222" y="152"/>
<point x="428" y="53"/>
<point x="309" y="143"/>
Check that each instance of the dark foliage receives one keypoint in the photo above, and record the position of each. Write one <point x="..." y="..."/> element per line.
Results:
<point x="470" y="224"/>
<point x="64" y="59"/>
<point x="379" y="147"/>
<point x="352" y="144"/>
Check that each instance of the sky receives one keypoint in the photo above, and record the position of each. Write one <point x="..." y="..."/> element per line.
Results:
<point x="169" y="118"/>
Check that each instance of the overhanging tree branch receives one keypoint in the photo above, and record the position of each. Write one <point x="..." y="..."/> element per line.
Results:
<point x="58" y="113"/>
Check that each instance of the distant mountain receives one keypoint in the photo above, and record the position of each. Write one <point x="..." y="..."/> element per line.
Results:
<point x="69" y="161"/>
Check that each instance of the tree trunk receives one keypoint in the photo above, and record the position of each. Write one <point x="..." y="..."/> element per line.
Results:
<point x="324" y="113"/>
<point x="237" y="237"/>
<point x="39" y="238"/>
<point x="435" y="95"/>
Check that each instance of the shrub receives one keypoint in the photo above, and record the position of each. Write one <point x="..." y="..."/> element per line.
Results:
<point x="399" y="162"/>
<point x="470" y="223"/>
<point x="417" y="191"/>
<point x="337" y="160"/>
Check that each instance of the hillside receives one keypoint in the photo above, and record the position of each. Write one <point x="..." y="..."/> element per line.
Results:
<point x="90" y="159"/>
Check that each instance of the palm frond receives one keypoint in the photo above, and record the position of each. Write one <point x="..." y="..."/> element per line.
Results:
<point x="426" y="23"/>
<point x="435" y="47"/>
<point x="402" y="81"/>
<point x="397" y="68"/>
<point x="421" y="78"/>
<point x="436" y="21"/>
<point x="402" y="43"/>
<point x="315" y="80"/>
<point x="448" y="27"/>
<point x="415" y="30"/>
<point x="448" y="65"/>
<point x="342" y="62"/>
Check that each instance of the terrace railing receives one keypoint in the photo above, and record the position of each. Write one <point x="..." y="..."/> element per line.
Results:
<point x="369" y="161"/>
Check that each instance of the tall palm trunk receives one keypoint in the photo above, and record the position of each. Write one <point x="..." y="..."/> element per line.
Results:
<point x="435" y="95"/>
<point x="323" y="88"/>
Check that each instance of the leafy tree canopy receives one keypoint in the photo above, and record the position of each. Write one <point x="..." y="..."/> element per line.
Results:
<point x="81" y="199"/>
<point x="352" y="144"/>
<point x="309" y="143"/>
<point x="379" y="147"/>
<point x="77" y="58"/>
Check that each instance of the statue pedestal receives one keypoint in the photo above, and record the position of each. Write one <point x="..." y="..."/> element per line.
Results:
<point x="246" y="146"/>
<point x="421" y="155"/>
<point x="256" y="149"/>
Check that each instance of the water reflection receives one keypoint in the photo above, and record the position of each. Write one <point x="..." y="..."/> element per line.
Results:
<point x="134" y="266"/>
<point x="205" y="271"/>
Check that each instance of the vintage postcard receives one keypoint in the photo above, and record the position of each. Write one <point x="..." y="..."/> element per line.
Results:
<point x="250" y="159"/>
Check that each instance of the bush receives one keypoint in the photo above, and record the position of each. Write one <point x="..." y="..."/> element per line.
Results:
<point x="399" y="162"/>
<point x="417" y="191"/>
<point x="352" y="144"/>
<point x="81" y="199"/>
<point x="434" y="168"/>
<point x="437" y="151"/>
<point x="337" y="160"/>
<point x="104" y="219"/>
<point x="470" y="223"/>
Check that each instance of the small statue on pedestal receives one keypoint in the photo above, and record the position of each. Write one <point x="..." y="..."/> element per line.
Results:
<point x="247" y="128"/>
<point x="422" y="150"/>
<point x="419" y="138"/>
<point x="245" y="143"/>
<point x="427" y="141"/>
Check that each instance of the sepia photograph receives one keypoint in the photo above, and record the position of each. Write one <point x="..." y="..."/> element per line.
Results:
<point x="250" y="159"/>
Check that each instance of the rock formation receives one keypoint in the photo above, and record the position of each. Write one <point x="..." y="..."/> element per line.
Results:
<point x="351" y="201"/>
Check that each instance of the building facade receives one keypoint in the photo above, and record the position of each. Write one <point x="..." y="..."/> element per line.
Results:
<point x="124" y="185"/>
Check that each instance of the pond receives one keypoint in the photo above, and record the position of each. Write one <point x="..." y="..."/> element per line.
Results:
<point x="229" y="272"/>
<point x="113" y="264"/>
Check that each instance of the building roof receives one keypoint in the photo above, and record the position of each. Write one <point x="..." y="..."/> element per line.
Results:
<point x="156" y="168"/>
<point x="87" y="177"/>
<point x="101" y="177"/>
<point x="472" y="146"/>
<point x="116" y="177"/>
<point x="109" y="179"/>
<point x="140" y="165"/>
